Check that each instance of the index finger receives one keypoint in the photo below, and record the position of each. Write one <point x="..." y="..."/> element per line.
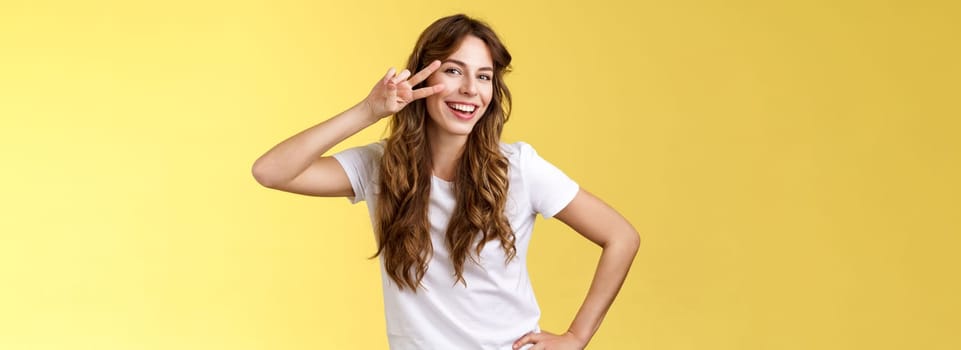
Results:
<point x="424" y="73"/>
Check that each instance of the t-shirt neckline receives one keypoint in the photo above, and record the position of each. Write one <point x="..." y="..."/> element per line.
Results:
<point x="438" y="179"/>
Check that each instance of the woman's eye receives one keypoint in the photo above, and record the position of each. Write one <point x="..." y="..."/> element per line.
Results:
<point x="485" y="77"/>
<point x="452" y="70"/>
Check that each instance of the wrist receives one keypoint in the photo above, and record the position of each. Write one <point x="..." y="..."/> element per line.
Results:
<point x="581" y="340"/>
<point x="366" y="111"/>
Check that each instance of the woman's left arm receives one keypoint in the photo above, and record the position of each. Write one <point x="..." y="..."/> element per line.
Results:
<point x="601" y="224"/>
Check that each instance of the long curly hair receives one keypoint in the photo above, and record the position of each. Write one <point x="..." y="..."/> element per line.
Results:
<point x="480" y="179"/>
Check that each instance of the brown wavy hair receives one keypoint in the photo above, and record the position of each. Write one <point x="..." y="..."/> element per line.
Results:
<point x="480" y="179"/>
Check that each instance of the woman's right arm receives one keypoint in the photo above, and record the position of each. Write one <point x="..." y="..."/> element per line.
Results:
<point x="297" y="164"/>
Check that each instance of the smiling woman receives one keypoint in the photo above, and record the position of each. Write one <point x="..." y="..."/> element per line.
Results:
<point x="468" y="87"/>
<point x="453" y="207"/>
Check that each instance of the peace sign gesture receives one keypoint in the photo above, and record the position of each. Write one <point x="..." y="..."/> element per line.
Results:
<point x="393" y="93"/>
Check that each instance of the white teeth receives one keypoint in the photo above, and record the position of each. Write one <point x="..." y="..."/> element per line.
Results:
<point x="463" y="108"/>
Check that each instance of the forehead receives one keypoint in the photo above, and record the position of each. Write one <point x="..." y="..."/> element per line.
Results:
<point x="473" y="52"/>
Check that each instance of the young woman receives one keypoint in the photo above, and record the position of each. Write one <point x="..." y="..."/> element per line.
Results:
<point x="453" y="207"/>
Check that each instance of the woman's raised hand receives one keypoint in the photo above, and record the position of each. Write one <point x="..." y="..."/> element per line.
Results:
<point x="393" y="93"/>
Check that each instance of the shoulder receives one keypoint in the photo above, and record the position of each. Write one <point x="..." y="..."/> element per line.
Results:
<point x="363" y="159"/>
<point x="524" y="158"/>
<point x="366" y="152"/>
<point x="521" y="154"/>
<point x="516" y="152"/>
<point x="547" y="187"/>
<point x="376" y="148"/>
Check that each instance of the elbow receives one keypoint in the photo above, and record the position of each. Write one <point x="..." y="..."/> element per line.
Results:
<point x="632" y="241"/>
<point x="627" y="241"/>
<point x="261" y="172"/>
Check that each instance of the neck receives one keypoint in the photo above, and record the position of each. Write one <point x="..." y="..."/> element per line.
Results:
<point x="445" y="150"/>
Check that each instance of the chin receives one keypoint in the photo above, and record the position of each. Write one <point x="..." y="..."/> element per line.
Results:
<point x="461" y="130"/>
<point x="452" y="124"/>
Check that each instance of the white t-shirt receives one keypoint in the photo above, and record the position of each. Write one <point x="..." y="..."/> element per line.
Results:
<point x="497" y="306"/>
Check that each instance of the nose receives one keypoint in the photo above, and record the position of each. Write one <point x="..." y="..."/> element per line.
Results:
<point x="468" y="87"/>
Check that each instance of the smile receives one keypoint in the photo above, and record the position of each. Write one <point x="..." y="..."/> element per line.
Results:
<point x="461" y="110"/>
<point x="462" y="107"/>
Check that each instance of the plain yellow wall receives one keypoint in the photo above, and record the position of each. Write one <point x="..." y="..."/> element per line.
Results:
<point x="792" y="167"/>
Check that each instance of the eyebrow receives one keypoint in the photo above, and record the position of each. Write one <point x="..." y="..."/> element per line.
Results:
<point x="462" y="64"/>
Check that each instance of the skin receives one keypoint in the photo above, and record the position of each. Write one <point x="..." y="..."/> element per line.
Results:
<point x="467" y="78"/>
<point x="297" y="165"/>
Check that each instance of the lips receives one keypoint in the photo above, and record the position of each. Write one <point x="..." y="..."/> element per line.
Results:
<point x="462" y="110"/>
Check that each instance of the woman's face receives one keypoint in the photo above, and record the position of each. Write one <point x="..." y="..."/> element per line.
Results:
<point x="468" y="79"/>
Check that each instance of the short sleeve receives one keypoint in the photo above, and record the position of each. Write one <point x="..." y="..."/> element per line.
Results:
<point x="361" y="165"/>
<point x="550" y="189"/>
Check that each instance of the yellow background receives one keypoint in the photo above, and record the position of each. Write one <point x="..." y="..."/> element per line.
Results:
<point x="793" y="168"/>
